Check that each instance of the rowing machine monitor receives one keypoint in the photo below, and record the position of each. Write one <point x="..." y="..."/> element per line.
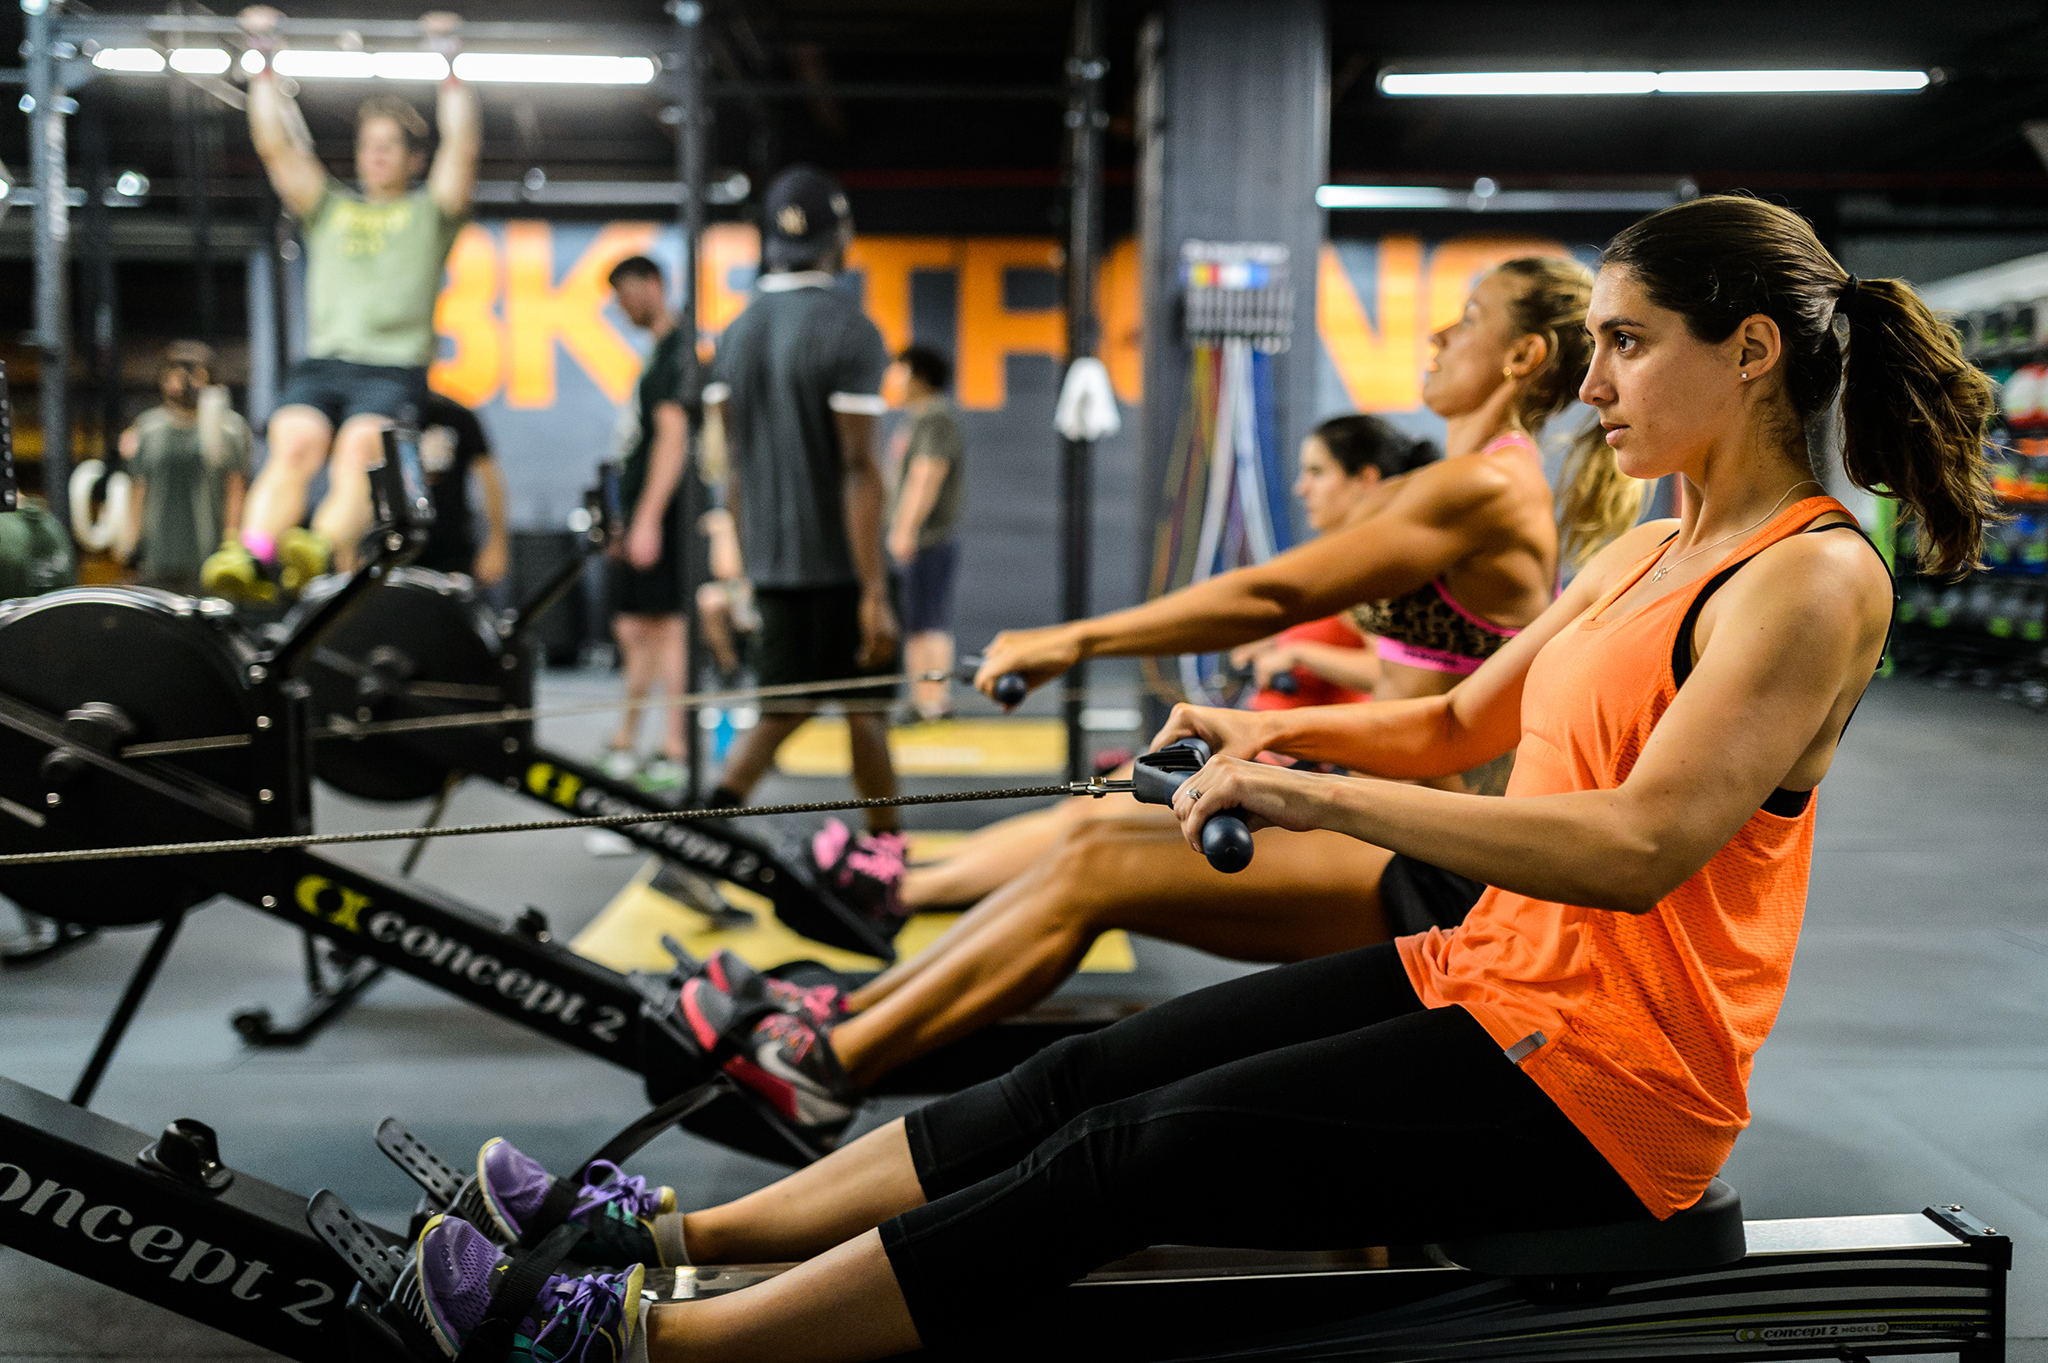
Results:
<point x="1157" y="776"/>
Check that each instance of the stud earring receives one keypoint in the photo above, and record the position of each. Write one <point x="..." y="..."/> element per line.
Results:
<point x="1745" y="373"/>
<point x="1507" y="371"/>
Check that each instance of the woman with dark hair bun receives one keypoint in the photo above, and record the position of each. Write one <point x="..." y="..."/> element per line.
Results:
<point x="1331" y="661"/>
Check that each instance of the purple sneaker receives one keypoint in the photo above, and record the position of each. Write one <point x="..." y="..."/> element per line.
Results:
<point x="448" y="1285"/>
<point x="616" y="1212"/>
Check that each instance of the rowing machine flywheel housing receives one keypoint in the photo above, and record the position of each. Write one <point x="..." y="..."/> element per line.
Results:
<point x="417" y="644"/>
<point x="85" y="675"/>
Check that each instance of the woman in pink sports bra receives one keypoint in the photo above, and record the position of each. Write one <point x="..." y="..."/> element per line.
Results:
<point x="1479" y="523"/>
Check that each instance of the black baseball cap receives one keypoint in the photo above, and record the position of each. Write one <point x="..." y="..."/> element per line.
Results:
<point x="804" y="216"/>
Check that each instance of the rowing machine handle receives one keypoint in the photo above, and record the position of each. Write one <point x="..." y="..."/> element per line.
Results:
<point x="1157" y="776"/>
<point x="1011" y="688"/>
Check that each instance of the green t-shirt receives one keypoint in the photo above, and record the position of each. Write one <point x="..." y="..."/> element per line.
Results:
<point x="934" y="433"/>
<point x="660" y="381"/>
<point x="184" y="498"/>
<point x="372" y="274"/>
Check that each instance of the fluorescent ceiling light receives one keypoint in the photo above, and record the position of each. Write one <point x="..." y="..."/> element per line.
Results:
<point x="1786" y="82"/>
<point x="411" y="66"/>
<point x="1410" y="83"/>
<point x="303" y="64"/>
<point x="1387" y="196"/>
<point x="200" y="61"/>
<point x="1518" y="83"/>
<point x="252" y="61"/>
<point x="144" y="59"/>
<point x="1486" y="196"/>
<point x="554" y="69"/>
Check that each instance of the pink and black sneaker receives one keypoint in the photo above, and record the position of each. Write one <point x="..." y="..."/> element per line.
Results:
<point x="823" y="1006"/>
<point x="865" y="869"/>
<point x="781" y="1058"/>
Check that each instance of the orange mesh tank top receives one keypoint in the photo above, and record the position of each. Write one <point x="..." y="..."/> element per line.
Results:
<point x="1640" y="1028"/>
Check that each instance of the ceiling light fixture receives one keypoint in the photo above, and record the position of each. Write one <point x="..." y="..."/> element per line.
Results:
<point x="144" y="60"/>
<point x="1486" y="196"/>
<point x="200" y="61"/>
<point x="553" y="68"/>
<point x="1786" y="82"/>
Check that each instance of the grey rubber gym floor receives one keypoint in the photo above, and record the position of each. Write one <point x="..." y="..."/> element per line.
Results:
<point x="1910" y="1064"/>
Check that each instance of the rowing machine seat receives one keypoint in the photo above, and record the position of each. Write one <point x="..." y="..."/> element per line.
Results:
<point x="1704" y="1235"/>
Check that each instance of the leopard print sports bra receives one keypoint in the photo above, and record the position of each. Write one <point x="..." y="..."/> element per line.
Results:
<point x="1427" y="628"/>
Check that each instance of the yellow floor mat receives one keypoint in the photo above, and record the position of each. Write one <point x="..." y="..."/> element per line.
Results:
<point x="627" y="933"/>
<point x="952" y="747"/>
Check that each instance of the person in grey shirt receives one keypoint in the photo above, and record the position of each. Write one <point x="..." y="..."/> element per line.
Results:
<point x="796" y="386"/>
<point x="923" y="517"/>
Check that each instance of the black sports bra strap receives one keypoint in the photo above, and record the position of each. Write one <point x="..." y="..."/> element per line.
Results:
<point x="1681" y="647"/>
<point x="1786" y="804"/>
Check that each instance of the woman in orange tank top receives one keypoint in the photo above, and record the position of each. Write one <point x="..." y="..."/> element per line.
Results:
<point x="1578" y="1049"/>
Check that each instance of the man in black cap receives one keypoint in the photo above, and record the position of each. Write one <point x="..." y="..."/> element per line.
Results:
<point x="797" y="384"/>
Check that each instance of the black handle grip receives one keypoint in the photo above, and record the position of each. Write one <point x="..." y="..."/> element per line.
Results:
<point x="1010" y="688"/>
<point x="1285" y="683"/>
<point x="1156" y="776"/>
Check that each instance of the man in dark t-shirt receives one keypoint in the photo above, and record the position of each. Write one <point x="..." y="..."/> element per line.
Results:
<point x="797" y="384"/>
<point x="647" y="566"/>
<point x="453" y="451"/>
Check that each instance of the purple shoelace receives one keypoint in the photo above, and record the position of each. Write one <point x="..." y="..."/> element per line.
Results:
<point x="605" y="1182"/>
<point x="580" y="1299"/>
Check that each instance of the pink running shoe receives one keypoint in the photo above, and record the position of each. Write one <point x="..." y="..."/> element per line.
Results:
<point x="866" y="869"/>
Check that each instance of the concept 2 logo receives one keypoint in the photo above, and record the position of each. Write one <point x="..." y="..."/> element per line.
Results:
<point x="183" y="1258"/>
<point x="351" y="910"/>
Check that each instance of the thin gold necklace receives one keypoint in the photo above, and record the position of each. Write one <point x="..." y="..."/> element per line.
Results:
<point x="1659" y="574"/>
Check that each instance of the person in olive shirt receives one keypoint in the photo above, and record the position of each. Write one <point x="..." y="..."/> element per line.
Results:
<point x="647" y="569"/>
<point x="188" y="460"/>
<point x="454" y="451"/>
<point x="373" y="269"/>
<point x="930" y="488"/>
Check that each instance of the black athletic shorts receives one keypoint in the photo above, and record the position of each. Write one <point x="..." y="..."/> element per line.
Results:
<point x="812" y="634"/>
<point x="1416" y="896"/>
<point x="340" y="389"/>
<point x="927" y="595"/>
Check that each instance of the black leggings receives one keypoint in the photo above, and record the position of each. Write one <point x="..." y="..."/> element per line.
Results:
<point x="1311" y="1106"/>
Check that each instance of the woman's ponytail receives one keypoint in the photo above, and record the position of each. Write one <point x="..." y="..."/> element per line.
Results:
<point x="1596" y="501"/>
<point x="1913" y="417"/>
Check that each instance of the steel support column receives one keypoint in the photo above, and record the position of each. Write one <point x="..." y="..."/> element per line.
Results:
<point x="47" y="107"/>
<point x="1085" y="120"/>
<point x="691" y="118"/>
<point x="1233" y="139"/>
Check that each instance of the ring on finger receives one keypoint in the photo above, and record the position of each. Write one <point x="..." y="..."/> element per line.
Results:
<point x="1193" y="795"/>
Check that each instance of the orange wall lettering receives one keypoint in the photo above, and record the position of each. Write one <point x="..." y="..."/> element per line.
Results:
<point x="1380" y="367"/>
<point x="989" y="332"/>
<point x="466" y="313"/>
<point x="1119" y="300"/>
<point x="539" y="312"/>
<point x="1455" y="266"/>
<point x="885" y="264"/>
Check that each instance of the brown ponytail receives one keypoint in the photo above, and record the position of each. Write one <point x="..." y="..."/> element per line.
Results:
<point x="1595" y="500"/>
<point x="1913" y="409"/>
<point x="1913" y="417"/>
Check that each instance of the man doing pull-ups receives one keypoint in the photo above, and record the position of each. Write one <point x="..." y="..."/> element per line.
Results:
<point x="373" y="268"/>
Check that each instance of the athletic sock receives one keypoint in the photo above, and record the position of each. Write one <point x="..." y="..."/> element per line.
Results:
<point x="668" y="1238"/>
<point x="636" y="1352"/>
<point x="262" y="547"/>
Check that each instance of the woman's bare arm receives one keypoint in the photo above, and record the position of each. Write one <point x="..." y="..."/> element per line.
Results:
<point x="1807" y="636"/>
<point x="1435" y="517"/>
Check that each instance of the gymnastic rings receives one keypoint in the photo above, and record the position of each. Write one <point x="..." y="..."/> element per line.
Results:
<point x="113" y="530"/>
